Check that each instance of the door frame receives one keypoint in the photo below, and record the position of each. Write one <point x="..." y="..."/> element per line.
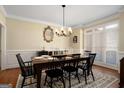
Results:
<point x="3" y="45"/>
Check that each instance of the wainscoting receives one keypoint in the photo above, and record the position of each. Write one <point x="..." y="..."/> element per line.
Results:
<point x="105" y="65"/>
<point x="107" y="59"/>
<point x="121" y="55"/>
<point x="12" y="62"/>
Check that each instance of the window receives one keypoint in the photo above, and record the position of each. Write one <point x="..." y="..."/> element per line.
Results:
<point x="104" y="41"/>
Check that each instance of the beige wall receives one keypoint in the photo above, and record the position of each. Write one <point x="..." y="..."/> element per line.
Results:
<point x="24" y="35"/>
<point x="77" y="47"/>
<point x="76" y="32"/>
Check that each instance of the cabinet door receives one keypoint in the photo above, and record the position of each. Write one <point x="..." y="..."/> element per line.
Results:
<point x="122" y="72"/>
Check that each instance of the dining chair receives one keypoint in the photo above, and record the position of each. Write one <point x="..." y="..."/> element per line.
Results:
<point x="87" y="52"/>
<point x="54" y="72"/>
<point x="87" y="67"/>
<point x="72" y="67"/>
<point x="26" y="69"/>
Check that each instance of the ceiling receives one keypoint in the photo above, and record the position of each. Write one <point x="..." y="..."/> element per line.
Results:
<point x="74" y="14"/>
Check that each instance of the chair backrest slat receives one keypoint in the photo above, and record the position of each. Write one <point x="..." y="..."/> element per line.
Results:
<point x="92" y="58"/>
<point x="21" y="64"/>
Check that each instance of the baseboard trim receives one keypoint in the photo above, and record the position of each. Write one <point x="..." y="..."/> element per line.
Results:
<point x="106" y="66"/>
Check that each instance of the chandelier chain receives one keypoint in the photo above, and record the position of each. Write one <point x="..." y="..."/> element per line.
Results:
<point x="63" y="15"/>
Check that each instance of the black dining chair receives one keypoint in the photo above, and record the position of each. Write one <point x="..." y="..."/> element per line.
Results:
<point x="87" y="52"/>
<point x="54" y="71"/>
<point x="26" y="69"/>
<point x="87" y="67"/>
<point x="72" y="67"/>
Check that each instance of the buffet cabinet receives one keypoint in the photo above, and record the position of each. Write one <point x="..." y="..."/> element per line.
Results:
<point x="121" y="73"/>
<point x="45" y="52"/>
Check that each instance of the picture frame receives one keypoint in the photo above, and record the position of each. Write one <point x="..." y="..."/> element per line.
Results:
<point x="75" y="39"/>
<point x="48" y="34"/>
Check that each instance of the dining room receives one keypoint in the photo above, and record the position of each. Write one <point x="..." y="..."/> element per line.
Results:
<point x="62" y="46"/>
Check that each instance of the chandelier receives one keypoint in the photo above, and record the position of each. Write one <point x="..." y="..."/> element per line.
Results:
<point x="64" y="31"/>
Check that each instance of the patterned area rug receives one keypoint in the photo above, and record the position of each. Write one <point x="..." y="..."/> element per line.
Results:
<point x="102" y="80"/>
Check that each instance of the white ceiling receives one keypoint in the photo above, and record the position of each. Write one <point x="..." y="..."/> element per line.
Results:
<point x="74" y="14"/>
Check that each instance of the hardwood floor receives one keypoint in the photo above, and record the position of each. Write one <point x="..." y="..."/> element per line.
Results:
<point x="110" y="72"/>
<point x="10" y="76"/>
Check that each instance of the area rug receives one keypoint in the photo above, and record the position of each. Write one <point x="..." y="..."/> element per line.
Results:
<point x="102" y="80"/>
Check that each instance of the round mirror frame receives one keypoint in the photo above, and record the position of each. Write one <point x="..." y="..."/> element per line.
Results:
<point x="48" y="31"/>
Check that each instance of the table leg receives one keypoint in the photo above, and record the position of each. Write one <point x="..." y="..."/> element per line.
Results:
<point x="39" y="74"/>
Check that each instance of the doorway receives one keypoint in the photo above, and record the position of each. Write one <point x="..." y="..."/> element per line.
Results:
<point x="0" y="45"/>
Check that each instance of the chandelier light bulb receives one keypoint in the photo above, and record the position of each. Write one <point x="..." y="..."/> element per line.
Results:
<point x="62" y="29"/>
<point x="70" y="30"/>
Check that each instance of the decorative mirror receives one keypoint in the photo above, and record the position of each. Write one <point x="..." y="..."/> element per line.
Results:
<point x="48" y="34"/>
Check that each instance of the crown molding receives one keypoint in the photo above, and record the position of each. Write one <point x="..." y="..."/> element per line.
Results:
<point x="98" y="21"/>
<point x="32" y="20"/>
<point x="3" y="10"/>
<point x="26" y="19"/>
<point x="78" y="26"/>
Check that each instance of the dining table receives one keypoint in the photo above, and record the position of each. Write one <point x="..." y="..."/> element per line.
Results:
<point x="42" y="63"/>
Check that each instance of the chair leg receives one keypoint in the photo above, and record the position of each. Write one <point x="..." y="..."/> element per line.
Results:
<point x="63" y="81"/>
<point x="57" y="78"/>
<point x="77" y="76"/>
<point x="51" y="82"/>
<point x="69" y="80"/>
<point x="92" y="75"/>
<point x="35" y="75"/>
<point x="23" y="82"/>
<point x="85" y="74"/>
<point x="45" y="80"/>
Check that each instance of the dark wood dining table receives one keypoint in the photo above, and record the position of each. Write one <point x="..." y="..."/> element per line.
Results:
<point x="40" y="64"/>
